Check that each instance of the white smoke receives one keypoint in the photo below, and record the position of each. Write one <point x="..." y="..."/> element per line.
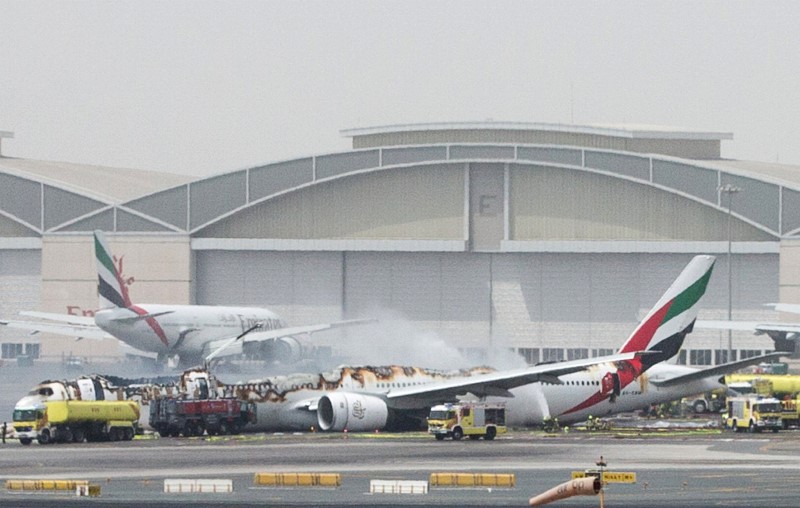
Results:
<point x="394" y="339"/>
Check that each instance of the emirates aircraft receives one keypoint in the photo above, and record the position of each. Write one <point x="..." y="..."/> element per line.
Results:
<point x="193" y="333"/>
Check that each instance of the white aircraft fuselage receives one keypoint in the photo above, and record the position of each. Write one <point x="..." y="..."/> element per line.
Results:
<point x="282" y="402"/>
<point x="183" y="329"/>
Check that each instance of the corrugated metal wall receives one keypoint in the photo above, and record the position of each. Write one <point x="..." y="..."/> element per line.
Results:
<point x="550" y="203"/>
<point x="416" y="203"/>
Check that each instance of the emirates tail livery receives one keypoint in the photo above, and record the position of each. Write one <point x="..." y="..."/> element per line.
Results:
<point x="193" y="333"/>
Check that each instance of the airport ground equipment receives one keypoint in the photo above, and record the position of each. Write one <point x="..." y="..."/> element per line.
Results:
<point x="191" y="417"/>
<point x="62" y="421"/>
<point x="474" y="419"/>
<point x="754" y="414"/>
<point x="790" y="414"/>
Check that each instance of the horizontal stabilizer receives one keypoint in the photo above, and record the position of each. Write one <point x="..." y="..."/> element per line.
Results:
<point x="81" y="332"/>
<point x="61" y="318"/>
<point x="715" y="371"/>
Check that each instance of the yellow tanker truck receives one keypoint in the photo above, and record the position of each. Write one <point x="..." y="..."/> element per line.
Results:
<point x="73" y="421"/>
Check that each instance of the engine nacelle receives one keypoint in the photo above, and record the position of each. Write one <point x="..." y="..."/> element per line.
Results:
<point x="285" y="350"/>
<point x="354" y="412"/>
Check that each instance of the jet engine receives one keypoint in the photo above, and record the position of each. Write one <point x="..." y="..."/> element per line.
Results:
<point x="286" y="350"/>
<point x="354" y="412"/>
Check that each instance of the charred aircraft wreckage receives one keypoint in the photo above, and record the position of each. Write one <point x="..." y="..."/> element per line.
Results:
<point x="333" y="400"/>
<point x="354" y="399"/>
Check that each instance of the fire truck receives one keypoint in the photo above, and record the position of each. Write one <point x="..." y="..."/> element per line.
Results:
<point x="754" y="414"/>
<point x="192" y="417"/>
<point x="474" y="419"/>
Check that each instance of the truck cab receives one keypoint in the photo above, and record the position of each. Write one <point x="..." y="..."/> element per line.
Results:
<point x="474" y="420"/>
<point x="754" y="414"/>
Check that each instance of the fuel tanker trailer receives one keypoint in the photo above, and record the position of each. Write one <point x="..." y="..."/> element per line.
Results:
<point x="66" y="421"/>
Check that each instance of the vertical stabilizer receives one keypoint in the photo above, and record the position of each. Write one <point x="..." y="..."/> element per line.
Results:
<point x="110" y="288"/>
<point x="668" y="322"/>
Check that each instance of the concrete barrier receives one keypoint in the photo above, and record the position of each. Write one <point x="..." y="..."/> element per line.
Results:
<point x="45" y="484"/>
<point x="472" y="480"/>
<point x="87" y="490"/>
<point x="297" y="480"/>
<point x="181" y="486"/>
<point x="398" y="487"/>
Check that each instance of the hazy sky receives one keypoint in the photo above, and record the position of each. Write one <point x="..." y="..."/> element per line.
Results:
<point x="203" y="87"/>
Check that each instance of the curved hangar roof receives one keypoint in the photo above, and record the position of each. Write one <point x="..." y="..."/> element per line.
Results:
<point x="437" y="186"/>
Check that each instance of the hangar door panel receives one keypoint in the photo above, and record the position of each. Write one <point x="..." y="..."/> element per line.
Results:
<point x="303" y="287"/>
<point x="20" y="289"/>
<point x="445" y="295"/>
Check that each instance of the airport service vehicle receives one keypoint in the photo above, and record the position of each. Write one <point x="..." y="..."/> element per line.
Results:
<point x="474" y="420"/>
<point x="754" y="414"/>
<point x="702" y="402"/>
<point x="64" y="421"/>
<point x="190" y="417"/>
<point x="790" y="414"/>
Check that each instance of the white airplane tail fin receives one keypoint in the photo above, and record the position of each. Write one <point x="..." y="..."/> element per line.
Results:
<point x="110" y="287"/>
<point x="673" y="316"/>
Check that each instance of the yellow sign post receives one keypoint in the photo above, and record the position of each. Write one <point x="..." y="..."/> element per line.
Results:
<point x="607" y="476"/>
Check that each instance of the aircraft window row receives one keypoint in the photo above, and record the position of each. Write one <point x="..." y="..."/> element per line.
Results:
<point x="582" y="383"/>
<point x="400" y="385"/>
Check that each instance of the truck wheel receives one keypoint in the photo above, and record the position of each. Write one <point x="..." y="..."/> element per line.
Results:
<point x="439" y="437"/>
<point x="491" y="432"/>
<point x="699" y="407"/>
<point x="752" y="428"/>
<point x="113" y="434"/>
<point x="26" y="440"/>
<point x="163" y="432"/>
<point x="44" y="437"/>
<point x="77" y="436"/>
<point x="457" y="434"/>
<point x="223" y="428"/>
<point x="127" y="434"/>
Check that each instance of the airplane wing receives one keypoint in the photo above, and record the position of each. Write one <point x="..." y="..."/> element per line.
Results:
<point x="757" y="327"/>
<point x="714" y="371"/>
<point x="69" y="330"/>
<point x="232" y="345"/>
<point x="300" y="330"/>
<point x="499" y="383"/>
<point x="785" y="307"/>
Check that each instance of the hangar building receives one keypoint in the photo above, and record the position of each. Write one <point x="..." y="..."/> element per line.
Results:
<point x="549" y="239"/>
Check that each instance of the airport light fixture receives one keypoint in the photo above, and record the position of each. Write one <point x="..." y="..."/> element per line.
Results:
<point x="730" y="190"/>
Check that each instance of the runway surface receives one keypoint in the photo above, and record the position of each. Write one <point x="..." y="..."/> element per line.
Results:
<point x="721" y="470"/>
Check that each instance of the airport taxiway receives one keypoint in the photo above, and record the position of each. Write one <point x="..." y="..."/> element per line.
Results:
<point x="719" y="470"/>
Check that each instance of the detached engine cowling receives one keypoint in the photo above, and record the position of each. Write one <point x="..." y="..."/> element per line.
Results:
<point x="352" y="411"/>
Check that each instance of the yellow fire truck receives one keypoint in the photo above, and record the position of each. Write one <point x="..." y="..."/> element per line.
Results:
<point x="473" y="419"/>
<point x="754" y="414"/>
